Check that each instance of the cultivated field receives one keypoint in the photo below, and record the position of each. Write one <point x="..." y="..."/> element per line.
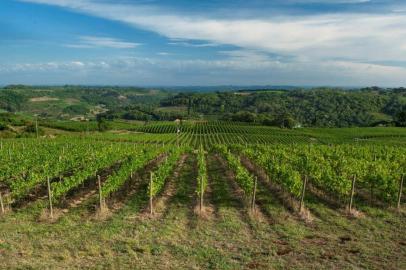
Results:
<point x="204" y="195"/>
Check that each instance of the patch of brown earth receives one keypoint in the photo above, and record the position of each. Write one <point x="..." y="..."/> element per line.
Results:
<point x="354" y="213"/>
<point x="45" y="215"/>
<point x="207" y="210"/>
<point x="5" y="199"/>
<point x="43" y="99"/>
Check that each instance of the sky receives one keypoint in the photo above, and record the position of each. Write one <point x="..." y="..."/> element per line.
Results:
<point x="210" y="42"/>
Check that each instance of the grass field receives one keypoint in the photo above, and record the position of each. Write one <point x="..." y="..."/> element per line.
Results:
<point x="226" y="235"/>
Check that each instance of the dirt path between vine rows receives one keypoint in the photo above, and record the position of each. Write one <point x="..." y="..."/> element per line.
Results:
<point x="226" y="192"/>
<point x="75" y="197"/>
<point x="40" y="191"/>
<point x="282" y="196"/>
<point x="138" y="183"/>
<point x="161" y="202"/>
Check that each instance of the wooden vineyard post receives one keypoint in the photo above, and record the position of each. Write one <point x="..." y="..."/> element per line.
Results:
<point x="400" y="191"/>
<point x="36" y="127"/>
<point x="352" y="193"/>
<point x="1" y="204"/>
<point x="51" y="210"/>
<point x="177" y="137"/>
<point x="150" y="193"/>
<point x="100" y="194"/>
<point x="254" y="191"/>
<point x="303" y="194"/>
<point x="201" y="194"/>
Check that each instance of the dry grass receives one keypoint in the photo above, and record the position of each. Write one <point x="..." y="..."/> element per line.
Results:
<point x="43" y="99"/>
<point x="45" y="215"/>
<point x="354" y="213"/>
<point x="306" y="216"/>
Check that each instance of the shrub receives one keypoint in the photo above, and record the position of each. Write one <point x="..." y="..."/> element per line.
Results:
<point x="3" y="126"/>
<point x="31" y="128"/>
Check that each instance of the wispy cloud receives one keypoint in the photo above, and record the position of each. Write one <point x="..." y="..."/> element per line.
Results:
<point x="179" y="42"/>
<point x="361" y="36"/>
<point x="262" y="70"/>
<point x="164" y="53"/>
<point x="102" y="42"/>
<point x="311" y="42"/>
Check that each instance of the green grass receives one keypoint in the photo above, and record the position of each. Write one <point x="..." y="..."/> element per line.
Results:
<point x="229" y="238"/>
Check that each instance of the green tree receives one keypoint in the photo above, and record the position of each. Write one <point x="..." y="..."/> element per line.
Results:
<point x="3" y="126"/>
<point x="102" y="124"/>
<point x="286" y="121"/>
<point x="401" y="118"/>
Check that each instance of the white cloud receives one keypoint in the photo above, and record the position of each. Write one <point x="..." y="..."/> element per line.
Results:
<point x="238" y="67"/>
<point x="351" y="36"/>
<point x="77" y="63"/>
<point x="313" y="43"/>
<point x="102" y="42"/>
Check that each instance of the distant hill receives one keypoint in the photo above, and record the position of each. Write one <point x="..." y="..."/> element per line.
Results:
<point x="274" y="105"/>
<point x="226" y="88"/>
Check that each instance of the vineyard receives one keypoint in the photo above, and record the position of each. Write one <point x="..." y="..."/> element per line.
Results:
<point x="195" y="182"/>
<point x="218" y="132"/>
<point x="209" y="133"/>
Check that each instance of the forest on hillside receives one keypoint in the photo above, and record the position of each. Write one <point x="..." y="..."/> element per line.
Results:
<point x="319" y="107"/>
<point x="316" y="107"/>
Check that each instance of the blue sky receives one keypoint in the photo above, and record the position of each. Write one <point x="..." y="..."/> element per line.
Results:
<point x="211" y="42"/>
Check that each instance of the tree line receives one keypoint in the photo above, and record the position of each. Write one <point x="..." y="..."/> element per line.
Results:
<point x="316" y="107"/>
